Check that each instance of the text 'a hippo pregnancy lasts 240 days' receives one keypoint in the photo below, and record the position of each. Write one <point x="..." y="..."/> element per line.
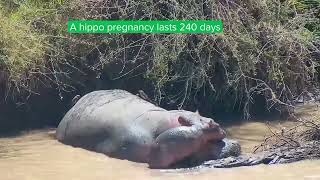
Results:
<point x="146" y="28"/>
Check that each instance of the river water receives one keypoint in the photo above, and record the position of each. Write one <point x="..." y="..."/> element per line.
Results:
<point x="37" y="155"/>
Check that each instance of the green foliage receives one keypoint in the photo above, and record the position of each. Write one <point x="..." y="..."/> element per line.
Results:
<point x="22" y="49"/>
<point x="313" y="8"/>
<point x="264" y="50"/>
<point x="27" y="28"/>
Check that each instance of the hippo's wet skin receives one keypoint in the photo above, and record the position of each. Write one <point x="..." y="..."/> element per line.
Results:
<point x="122" y="125"/>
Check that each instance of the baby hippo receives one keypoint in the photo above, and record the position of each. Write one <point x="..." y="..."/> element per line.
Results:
<point x="122" y="125"/>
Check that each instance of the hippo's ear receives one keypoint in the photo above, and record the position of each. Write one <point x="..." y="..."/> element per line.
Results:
<point x="184" y="121"/>
<point x="197" y="112"/>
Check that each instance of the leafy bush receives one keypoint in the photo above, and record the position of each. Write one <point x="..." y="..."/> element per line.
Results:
<point x="265" y="50"/>
<point x="27" y="28"/>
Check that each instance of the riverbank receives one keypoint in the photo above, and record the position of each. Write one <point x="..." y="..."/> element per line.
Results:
<point x="263" y="61"/>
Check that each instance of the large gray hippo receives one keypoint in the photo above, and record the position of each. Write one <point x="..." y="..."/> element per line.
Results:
<point x="122" y="125"/>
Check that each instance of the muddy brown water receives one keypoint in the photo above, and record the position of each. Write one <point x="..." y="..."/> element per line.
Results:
<point x="37" y="155"/>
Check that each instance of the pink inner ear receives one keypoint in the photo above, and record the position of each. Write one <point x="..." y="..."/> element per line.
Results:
<point x="183" y="121"/>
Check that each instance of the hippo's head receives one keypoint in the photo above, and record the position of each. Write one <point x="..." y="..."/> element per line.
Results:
<point x="211" y="130"/>
<point x="175" y="144"/>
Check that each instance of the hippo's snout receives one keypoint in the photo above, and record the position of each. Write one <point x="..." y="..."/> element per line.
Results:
<point x="213" y="125"/>
<point x="215" y="133"/>
<point x="212" y="130"/>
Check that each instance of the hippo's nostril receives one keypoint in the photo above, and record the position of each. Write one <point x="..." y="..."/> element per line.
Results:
<point x="213" y="125"/>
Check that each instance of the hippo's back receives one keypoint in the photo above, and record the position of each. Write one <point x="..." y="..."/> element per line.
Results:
<point x="101" y="112"/>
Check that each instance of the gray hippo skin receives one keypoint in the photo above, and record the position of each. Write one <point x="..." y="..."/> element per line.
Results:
<point x="122" y="125"/>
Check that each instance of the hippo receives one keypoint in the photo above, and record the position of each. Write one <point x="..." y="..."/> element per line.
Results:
<point x="125" y="126"/>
